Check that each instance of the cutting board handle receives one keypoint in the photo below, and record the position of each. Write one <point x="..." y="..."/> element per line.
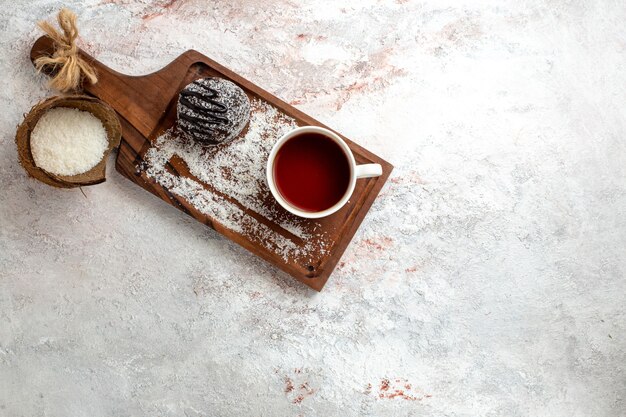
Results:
<point x="141" y="100"/>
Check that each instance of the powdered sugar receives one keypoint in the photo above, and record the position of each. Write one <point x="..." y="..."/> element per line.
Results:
<point x="227" y="183"/>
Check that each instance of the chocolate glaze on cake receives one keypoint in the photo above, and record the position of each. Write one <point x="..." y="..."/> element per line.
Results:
<point x="212" y="110"/>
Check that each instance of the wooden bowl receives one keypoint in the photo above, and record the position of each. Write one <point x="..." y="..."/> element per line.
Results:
<point x="101" y="110"/>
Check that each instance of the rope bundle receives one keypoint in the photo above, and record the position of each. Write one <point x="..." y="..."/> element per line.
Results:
<point x="72" y="69"/>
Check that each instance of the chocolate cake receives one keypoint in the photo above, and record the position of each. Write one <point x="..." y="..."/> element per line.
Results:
<point x="212" y="110"/>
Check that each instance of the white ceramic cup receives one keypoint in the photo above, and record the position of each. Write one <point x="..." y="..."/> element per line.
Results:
<point x="356" y="171"/>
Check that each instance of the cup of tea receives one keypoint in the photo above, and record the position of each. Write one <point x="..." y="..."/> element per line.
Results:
<point x="312" y="173"/>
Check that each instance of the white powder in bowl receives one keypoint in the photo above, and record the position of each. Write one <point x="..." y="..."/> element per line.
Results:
<point x="68" y="141"/>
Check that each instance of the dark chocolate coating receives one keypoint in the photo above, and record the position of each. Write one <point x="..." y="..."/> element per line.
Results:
<point x="212" y="110"/>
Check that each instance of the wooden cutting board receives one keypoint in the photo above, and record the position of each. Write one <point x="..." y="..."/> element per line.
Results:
<point x="307" y="249"/>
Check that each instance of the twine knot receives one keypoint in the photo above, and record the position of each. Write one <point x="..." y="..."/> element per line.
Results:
<point x="71" y="67"/>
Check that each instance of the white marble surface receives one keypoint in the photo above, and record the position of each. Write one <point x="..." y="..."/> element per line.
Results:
<point x="488" y="279"/>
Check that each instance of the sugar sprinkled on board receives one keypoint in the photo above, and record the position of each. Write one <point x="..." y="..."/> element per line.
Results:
<point x="237" y="170"/>
<point x="67" y="141"/>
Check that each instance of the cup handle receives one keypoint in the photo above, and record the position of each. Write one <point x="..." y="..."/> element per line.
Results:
<point x="368" y="170"/>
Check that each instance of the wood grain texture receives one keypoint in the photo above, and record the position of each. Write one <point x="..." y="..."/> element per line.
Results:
<point x="146" y="106"/>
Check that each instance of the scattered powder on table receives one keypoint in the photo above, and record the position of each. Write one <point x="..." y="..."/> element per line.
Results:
<point x="237" y="170"/>
<point x="67" y="141"/>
